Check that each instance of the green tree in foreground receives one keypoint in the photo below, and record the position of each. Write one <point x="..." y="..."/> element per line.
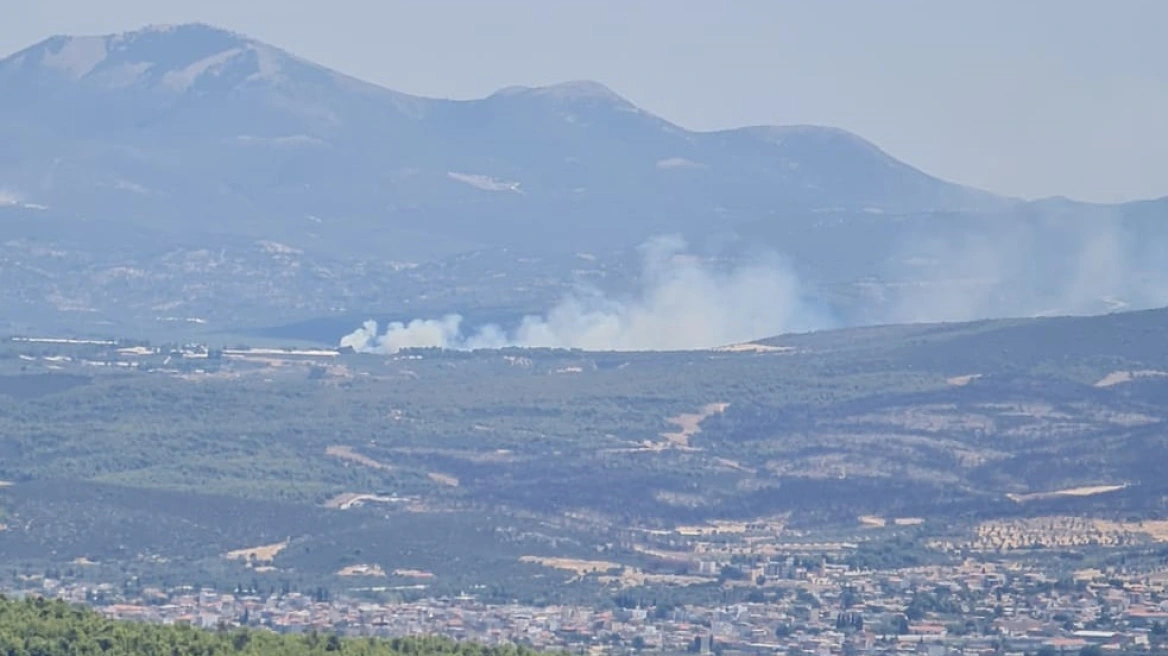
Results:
<point x="36" y="627"/>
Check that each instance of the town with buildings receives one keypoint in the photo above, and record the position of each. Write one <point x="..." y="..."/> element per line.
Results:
<point x="971" y="608"/>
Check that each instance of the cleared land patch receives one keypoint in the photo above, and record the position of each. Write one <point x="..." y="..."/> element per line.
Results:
<point x="753" y="348"/>
<point x="875" y="521"/>
<point x="1120" y="377"/>
<point x="1069" y="492"/>
<point x="443" y="479"/>
<point x="574" y="565"/>
<point x="611" y="573"/>
<point x="347" y="500"/>
<point x="1060" y="532"/>
<point x="690" y="424"/>
<point x="261" y="554"/>
<point x="347" y="453"/>
<point x="413" y="573"/>
<point x="362" y="570"/>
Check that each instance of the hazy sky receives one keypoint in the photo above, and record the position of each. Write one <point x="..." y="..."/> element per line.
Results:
<point x="1023" y="97"/>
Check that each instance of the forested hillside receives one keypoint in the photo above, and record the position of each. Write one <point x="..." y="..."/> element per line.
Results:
<point x="435" y="472"/>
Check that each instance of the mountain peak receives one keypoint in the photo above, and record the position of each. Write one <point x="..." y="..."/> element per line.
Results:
<point x="171" y="57"/>
<point x="571" y="91"/>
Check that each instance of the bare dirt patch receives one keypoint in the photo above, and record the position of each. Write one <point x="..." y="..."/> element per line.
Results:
<point x="1087" y="491"/>
<point x="753" y="348"/>
<point x="347" y="500"/>
<point x="611" y="573"/>
<point x="413" y="573"/>
<point x="443" y="479"/>
<point x="574" y="565"/>
<point x="1120" y="377"/>
<point x="347" y="453"/>
<point x="690" y="424"/>
<point x="681" y="499"/>
<point x="714" y="527"/>
<point x="362" y="570"/>
<point x="262" y="554"/>
<point x="1157" y="529"/>
<point x="735" y="465"/>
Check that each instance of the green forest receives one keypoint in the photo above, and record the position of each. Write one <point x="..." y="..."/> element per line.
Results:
<point x="36" y="627"/>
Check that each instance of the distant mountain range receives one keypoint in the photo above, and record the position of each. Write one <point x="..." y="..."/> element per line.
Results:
<point x="192" y="140"/>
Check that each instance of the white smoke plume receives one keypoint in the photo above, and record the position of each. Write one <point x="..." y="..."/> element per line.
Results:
<point x="684" y="303"/>
<point x="1057" y="263"/>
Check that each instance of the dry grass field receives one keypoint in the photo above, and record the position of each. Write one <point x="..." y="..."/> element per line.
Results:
<point x="610" y="573"/>
<point x="347" y="453"/>
<point x="1069" y="492"/>
<point x="443" y="479"/>
<point x="1120" y="377"/>
<point x="261" y="554"/>
<point x="362" y="570"/>
<point x="690" y="424"/>
<point x="576" y="566"/>
<point x="347" y="500"/>
<point x="1058" y="532"/>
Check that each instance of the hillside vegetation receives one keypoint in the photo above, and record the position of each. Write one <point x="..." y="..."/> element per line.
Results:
<point x="460" y="465"/>
<point x="36" y="627"/>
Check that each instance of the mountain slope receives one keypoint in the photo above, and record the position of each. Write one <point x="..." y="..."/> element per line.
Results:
<point x="160" y="168"/>
<point x="230" y="129"/>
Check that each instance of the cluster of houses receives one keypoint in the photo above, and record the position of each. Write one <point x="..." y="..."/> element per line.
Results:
<point x="972" y="608"/>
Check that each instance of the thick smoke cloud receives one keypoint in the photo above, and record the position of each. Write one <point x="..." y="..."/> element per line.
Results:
<point x="683" y="303"/>
<point x="1055" y="258"/>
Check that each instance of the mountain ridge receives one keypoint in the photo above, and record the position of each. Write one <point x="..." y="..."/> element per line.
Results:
<point x="180" y="59"/>
<point x="197" y="139"/>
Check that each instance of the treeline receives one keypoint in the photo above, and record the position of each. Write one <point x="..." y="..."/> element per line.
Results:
<point x="36" y="627"/>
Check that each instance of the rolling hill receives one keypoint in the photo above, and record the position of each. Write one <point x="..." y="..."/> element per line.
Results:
<point x="461" y="463"/>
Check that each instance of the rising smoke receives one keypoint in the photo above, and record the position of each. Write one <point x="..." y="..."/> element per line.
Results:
<point x="1060" y="261"/>
<point x="683" y="303"/>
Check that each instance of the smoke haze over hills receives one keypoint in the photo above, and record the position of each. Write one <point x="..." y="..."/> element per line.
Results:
<point x="1057" y="266"/>
<point x="683" y="303"/>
